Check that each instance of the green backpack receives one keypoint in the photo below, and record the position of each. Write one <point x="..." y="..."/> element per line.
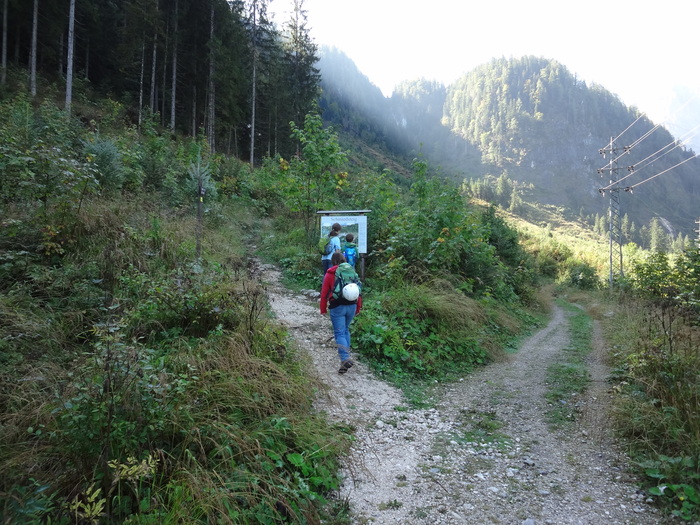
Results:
<point x="344" y="275"/>
<point x="324" y="245"/>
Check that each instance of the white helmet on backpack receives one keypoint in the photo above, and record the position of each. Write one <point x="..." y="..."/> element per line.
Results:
<point x="351" y="292"/>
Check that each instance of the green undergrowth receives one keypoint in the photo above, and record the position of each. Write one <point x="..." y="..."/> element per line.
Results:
<point x="568" y="377"/>
<point x="139" y="384"/>
<point x="419" y="333"/>
<point x="655" y="372"/>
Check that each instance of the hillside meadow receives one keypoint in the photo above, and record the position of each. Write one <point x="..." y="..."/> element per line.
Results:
<point x="143" y="379"/>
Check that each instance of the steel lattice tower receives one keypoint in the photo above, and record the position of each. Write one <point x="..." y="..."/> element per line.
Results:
<point x="615" y="222"/>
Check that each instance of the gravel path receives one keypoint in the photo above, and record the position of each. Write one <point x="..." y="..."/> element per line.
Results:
<point x="484" y="454"/>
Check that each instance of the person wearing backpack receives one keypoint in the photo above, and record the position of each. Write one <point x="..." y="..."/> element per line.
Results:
<point x="350" y="250"/>
<point x="341" y="297"/>
<point x="334" y="242"/>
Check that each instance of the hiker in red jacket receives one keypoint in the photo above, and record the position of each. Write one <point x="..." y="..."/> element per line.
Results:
<point x="343" y="308"/>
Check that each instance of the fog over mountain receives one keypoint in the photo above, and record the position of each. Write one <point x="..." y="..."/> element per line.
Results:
<point x="684" y="116"/>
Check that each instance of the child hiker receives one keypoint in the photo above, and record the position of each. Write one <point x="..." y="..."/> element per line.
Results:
<point x="350" y="250"/>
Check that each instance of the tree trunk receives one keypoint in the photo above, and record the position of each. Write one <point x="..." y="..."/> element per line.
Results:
<point x="212" y="95"/>
<point x="173" y="88"/>
<point x="276" y="129"/>
<point x="61" y="47"/>
<point x="252" y="119"/>
<point x="87" y="60"/>
<point x="152" y="100"/>
<point x="165" y="75"/>
<point x="194" y="110"/>
<point x="143" y="59"/>
<point x="17" y="46"/>
<point x="69" y="63"/>
<point x="252" y="111"/>
<point x="32" y="58"/>
<point x="200" y="215"/>
<point x="3" y="77"/>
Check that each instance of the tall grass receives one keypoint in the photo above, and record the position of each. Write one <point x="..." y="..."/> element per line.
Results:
<point x="140" y="385"/>
<point x="656" y="359"/>
<point x="568" y="376"/>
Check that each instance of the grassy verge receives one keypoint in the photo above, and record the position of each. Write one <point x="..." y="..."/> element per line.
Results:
<point x="656" y="363"/>
<point x="568" y="377"/>
<point x="140" y="384"/>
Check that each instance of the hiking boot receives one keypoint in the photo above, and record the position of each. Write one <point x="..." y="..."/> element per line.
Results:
<point x="345" y="366"/>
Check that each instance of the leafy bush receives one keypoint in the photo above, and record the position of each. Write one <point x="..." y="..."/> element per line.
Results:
<point x="158" y="158"/>
<point x="682" y="498"/>
<point x="549" y="256"/>
<point x="309" y="179"/>
<point x="438" y="233"/>
<point x="420" y="331"/>
<point x="580" y="275"/>
<point x="41" y="171"/>
<point x="231" y="176"/>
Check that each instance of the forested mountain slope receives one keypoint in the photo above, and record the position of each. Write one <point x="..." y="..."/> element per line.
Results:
<point x="533" y="121"/>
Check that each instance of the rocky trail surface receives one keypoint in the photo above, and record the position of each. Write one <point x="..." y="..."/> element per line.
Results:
<point x="484" y="454"/>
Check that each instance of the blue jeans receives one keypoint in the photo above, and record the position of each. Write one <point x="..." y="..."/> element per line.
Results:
<point x="326" y="264"/>
<point x="341" y="317"/>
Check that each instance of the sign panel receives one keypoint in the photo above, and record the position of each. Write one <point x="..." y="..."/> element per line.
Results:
<point x="355" y="224"/>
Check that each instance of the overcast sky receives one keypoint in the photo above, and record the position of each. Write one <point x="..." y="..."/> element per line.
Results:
<point x="640" y="51"/>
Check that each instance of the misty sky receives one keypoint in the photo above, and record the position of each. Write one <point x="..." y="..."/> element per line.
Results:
<point x="641" y="51"/>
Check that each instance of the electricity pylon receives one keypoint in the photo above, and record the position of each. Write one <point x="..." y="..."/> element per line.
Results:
<point x="615" y="222"/>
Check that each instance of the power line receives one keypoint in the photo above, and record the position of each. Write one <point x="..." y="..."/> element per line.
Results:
<point x="646" y="135"/>
<point x="640" y="165"/>
<point x="682" y="106"/>
<point x="630" y="188"/>
<point x="625" y="149"/>
<point x="627" y="128"/>
<point x="614" y="184"/>
<point x="634" y="168"/>
<point x="614" y="212"/>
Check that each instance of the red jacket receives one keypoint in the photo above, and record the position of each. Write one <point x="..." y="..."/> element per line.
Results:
<point x="327" y="291"/>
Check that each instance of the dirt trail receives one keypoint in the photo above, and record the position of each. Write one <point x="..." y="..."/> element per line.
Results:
<point x="484" y="454"/>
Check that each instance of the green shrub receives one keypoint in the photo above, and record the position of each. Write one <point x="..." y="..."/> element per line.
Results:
<point x="106" y="156"/>
<point x="580" y="275"/>
<point x="183" y="304"/>
<point x="420" y="331"/>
